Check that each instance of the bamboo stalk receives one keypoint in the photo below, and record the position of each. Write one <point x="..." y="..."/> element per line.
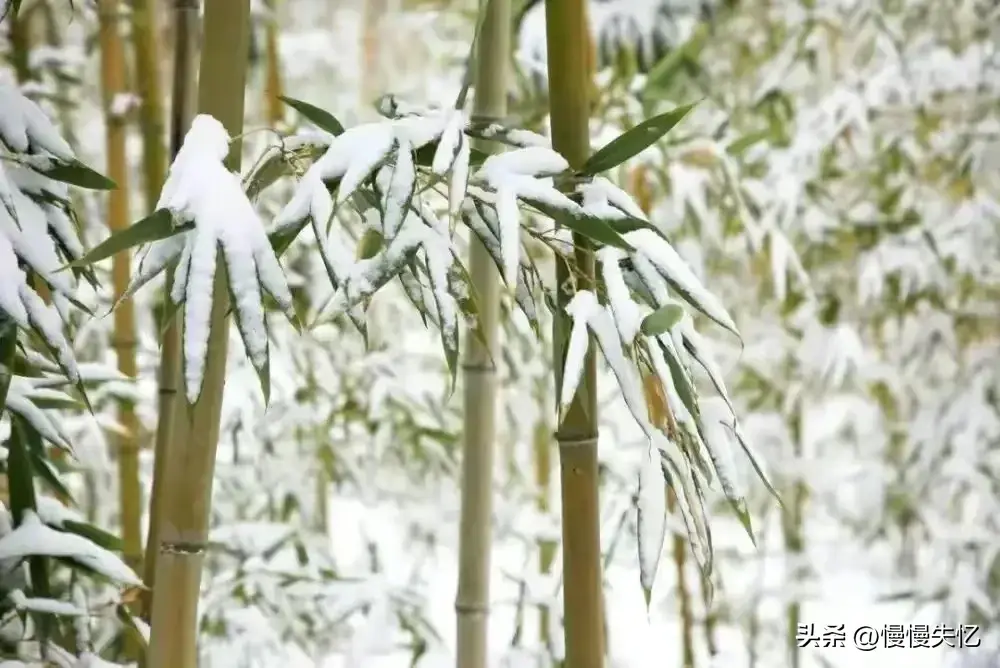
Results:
<point x="679" y="549"/>
<point x="792" y="532"/>
<point x="127" y="444"/>
<point x="191" y="463"/>
<point x="480" y="375"/>
<point x="543" y="486"/>
<point x="168" y="428"/>
<point x="146" y="45"/>
<point x="569" y="89"/>
<point x="19" y="38"/>
<point x="371" y="66"/>
<point x="272" y="79"/>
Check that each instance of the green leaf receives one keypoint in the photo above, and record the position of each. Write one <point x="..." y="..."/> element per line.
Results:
<point x="634" y="141"/>
<point x="12" y="10"/>
<point x="424" y="156"/>
<point x="662" y="319"/>
<point x="740" y="146"/>
<point x="597" y="229"/>
<point x="48" y="476"/>
<point x="318" y="117"/>
<point x="95" y="535"/>
<point x="76" y="174"/>
<point x="679" y="376"/>
<point x="630" y="224"/>
<point x="275" y="166"/>
<point x="130" y="627"/>
<point x="740" y="508"/>
<point x="20" y="475"/>
<point x="158" y="225"/>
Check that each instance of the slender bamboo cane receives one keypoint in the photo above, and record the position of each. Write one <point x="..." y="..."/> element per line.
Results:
<point x="569" y="88"/>
<point x="146" y="46"/>
<point x="480" y="373"/>
<point x="372" y="82"/>
<point x="190" y="466"/>
<point x="543" y="486"/>
<point x="272" y="83"/>
<point x="169" y="429"/>
<point x="113" y="85"/>
<point x="793" y="534"/>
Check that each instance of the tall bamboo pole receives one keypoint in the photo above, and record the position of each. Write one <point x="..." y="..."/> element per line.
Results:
<point x="146" y="46"/>
<point x="479" y="370"/>
<point x="113" y="85"/>
<point x="190" y="465"/>
<point x="272" y="74"/>
<point x="170" y="429"/>
<point x="569" y="108"/>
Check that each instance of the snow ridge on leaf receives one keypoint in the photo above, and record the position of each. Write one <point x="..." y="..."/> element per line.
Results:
<point x="201" y="190"/>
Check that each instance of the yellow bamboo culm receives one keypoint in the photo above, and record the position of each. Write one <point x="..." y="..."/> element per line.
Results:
<point x="568" y="49"/>
<point x="169" y="429"/>
<point x="188" y="468"/>
<point x="146" y="48"/>
<point x="113" y="88"/>
<point x="272" y="83"/>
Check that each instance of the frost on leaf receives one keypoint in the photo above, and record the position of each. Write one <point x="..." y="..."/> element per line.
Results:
<point x="201" y="190"/>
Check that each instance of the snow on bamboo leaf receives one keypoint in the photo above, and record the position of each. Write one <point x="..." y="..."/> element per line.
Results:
<point x="662" y="256"/>
<point x="459" y="182"/>
<point x="201" y="190"/>
<point x="651" y="516"/>
<point x="580" y="309"/>
<point x="517" y="174"/>
<point x="628" y="315"/>
<point x="366" y="277"/>
<point x="25" y="128"/>
<point x="33" y="538"/>
<point x="716" y="414"/>
<point x="451" y="141"/>
<point x="398" y="187"/>
<point x="603" y="199"/>
<point x="21" y="397"/>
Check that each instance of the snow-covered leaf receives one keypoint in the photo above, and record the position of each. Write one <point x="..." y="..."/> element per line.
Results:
<point x="651" y="512"/>
<point x="33" y="538"/>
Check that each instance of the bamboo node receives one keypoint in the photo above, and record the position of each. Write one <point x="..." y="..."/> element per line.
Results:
<point x="479" y="367"/>
<point x="471" y="608"/>
<point x="576" y="441"/>
<point x="188" y="548"/>
<point x="487" y="119"/>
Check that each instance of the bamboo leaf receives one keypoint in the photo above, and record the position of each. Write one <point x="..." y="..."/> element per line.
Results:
<point x="424" y="156"/>
<point x="634" y="141"/>
<point x="661" y="320"/>
<point x="597" y="229"/>
<point x="128" y="621"/>
<point x="158" y="225"/>
<point x="74" y="173"/>
<point x="651" y="519"/>
<point x="94" y="534"/>
<point x="318" y="117"/>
